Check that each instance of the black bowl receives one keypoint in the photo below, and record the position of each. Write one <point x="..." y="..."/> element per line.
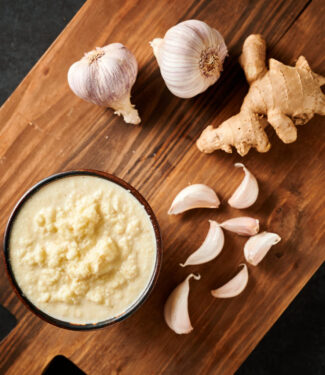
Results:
<point x="131" y="309"/>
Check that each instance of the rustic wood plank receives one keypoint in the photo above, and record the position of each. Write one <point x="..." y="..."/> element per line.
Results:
<point x="44" y="128"/>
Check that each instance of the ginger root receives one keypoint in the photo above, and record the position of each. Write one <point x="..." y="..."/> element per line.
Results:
<point x="282" y="96"/>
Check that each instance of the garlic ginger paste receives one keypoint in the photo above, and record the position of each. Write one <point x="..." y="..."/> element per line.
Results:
<point x="82" y="249"/>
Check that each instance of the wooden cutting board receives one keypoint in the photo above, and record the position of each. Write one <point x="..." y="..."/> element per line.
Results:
<point x="45" y="128"/>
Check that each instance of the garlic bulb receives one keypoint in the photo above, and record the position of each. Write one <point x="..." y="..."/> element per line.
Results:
<point x="105" y="77"/>
<point x="190" y="57"/>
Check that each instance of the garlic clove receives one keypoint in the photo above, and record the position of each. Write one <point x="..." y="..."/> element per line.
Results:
<point x="244" y="226"/>
<point x="176" y="307"/>
<point x="234" y="286"/>
<point x="258" y="246"/>
<point x="210" y="248"/>
<point x="247" y="192"/>
<point x="105" y="77"/>
<point x="190" y="57"/>
<point x="194" y="196"/>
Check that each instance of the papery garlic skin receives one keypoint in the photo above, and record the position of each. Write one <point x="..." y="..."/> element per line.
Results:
<point x="244" y="225"/>
<point x="105" y="77"/>
<point x="247" y="192"/>
<point x="210" y="248"/>
<point x="176" y="307"/>
<point x="258" y="246"/>
<point x="190" y="57"/>
<point x="194" y="196"/>
<point x="233" y="287"/>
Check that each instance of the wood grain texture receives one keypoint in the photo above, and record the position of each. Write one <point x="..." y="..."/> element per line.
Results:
<point x="45" y="129"/>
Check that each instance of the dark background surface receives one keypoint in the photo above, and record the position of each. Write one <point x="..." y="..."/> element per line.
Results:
<point x="296" y="343"/>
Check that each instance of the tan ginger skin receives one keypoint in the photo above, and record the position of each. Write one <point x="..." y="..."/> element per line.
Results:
<point x="282" y="96"/>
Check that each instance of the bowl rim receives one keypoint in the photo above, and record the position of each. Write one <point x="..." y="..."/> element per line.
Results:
<point x="71" y="325"/>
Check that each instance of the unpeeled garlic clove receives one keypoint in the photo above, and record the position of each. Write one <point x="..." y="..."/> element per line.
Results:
<point x="194" y="196"/>
<point x="105" y="77"/>
<point x="176" y="307"/>
<point x="234" y="286"/>
<point x="244" y="226"/>
<point x="258" y="246"/>
<point x="210" y="248"/>
<point x="247" y="192"/>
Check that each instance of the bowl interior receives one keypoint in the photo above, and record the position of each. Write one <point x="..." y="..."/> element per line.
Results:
<point x="132" y="308"/>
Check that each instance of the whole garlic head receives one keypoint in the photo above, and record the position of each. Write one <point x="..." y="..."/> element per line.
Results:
<point x="105" y="77"/>
<point x="190" y="57"/>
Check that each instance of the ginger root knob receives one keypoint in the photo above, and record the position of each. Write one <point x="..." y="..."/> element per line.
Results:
<point x="282" y="96"/>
